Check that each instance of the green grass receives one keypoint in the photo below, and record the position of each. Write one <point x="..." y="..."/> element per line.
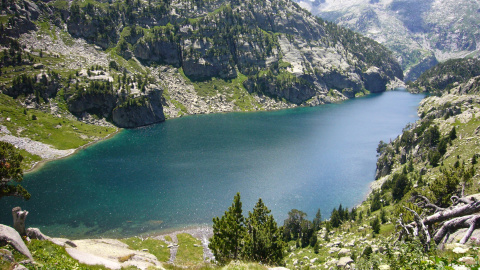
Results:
<point x="61" y="133"/>
<point x="233" y="89"/>
<point x="67" y="38"/>
<point x="168" y="238"/>
<point x="244" y="266"/>
<point x="189" y="255"/>
<point x="155" y="247"/>
<point x="45" y="28"/>
<point x="60" y="4"/>
<point x="387" y="229"/>
<point x="183" y="109"/>
<point x="131" y="65"/>
<point x="28" y="159"/>
<point x="4" y="18"/>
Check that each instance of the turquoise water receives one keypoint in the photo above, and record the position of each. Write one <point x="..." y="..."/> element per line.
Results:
<point x="186" y="171"/>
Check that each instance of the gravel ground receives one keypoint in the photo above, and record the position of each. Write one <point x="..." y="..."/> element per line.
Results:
<point x="45" y="151"/>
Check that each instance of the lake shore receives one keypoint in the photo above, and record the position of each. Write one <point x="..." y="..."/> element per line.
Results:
<point x="52" y="153"/>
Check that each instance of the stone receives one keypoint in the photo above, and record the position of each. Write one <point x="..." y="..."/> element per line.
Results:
<point x="344" y="252"/>
<point x="384" y="267"/>
<point x="333" y="250"/>
<point x="110" y="252"/>
<point x="460" y="267"/>
<point x="460" y="250"/>
<point x="6" y="255"/>
<point x="62" y="242"/>
<point x="344" y="261"/>
<point x="35" y="233"/>
<point x="457" y="248"/>
<point x="313" y="260"/>
<point x="467" y="260"/>
<point x="12" y="237"/>
<point x="90" y="259"/>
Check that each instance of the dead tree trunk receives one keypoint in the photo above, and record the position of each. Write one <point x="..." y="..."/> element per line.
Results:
<point x="19" y="217"/>
<point x="465" y="213"/>
<point x="471" y="222"/>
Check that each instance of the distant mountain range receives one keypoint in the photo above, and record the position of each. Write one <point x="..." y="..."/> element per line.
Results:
<point x="419" y="32"/>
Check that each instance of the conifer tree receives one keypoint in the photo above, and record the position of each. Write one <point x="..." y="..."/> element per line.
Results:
<point x="293" y="224"/>
<point x="10" y="172"/>
<point x="263" y="241"/>
<point x="228" y="231"/>
<point x="317" y="220"/>
<point x="335" y="219"/>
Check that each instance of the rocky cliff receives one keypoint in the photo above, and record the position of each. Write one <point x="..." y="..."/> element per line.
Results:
<point x="139" y="111"/>
<point x="225" y="56"/>
<point x="420" y="33"/>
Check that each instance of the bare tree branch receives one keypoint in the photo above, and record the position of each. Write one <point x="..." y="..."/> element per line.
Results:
<point x="421" y="230"/>
<point x="427" y="204"/>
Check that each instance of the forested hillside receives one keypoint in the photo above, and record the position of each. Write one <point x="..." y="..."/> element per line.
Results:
<point x="449" y="75"/>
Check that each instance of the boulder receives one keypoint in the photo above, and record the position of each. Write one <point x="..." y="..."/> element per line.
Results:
<point x="20" y="267"/>
<point x="91" y="259"/>
<point x="344" y="252"/>
<point x="6" y="255"/>
<point x="35" y="233"/>
<point x="63" y="242"/>
<point x="9" y="235"/>
<point x="344" y="261"/>
<point x="111" y="253"/>
<point x="468" y="260"/>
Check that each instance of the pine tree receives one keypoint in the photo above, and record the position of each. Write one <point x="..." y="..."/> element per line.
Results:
<point x="228" y="231"/>
<point x="453" y="134"/>
<point x="335" y="219"/>
<point x="375" y="225"/>
<point x="317" y="220"/>
<point x="292" y="225"/>
<point x="11" y="172"/>
<point x="262" y="240"/>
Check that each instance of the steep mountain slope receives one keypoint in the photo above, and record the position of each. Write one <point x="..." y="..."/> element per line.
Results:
<point x="420" y="33"/>
<point x="457" y="75"/>
<point x="135" y="63"/>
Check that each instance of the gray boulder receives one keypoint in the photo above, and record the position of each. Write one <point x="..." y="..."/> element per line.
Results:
<point x="344" y="261"/>
<point x="9" y="235"/>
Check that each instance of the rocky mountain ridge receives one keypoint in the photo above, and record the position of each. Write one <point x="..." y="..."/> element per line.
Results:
<point x="135" y="63"/>
<point x="420" y="33"/>
<point x="291" y="56"/>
